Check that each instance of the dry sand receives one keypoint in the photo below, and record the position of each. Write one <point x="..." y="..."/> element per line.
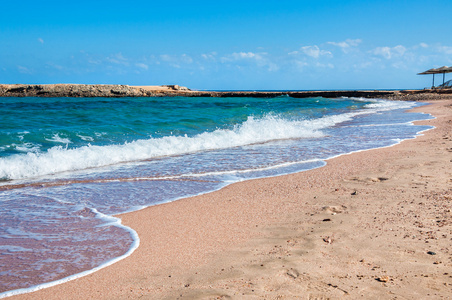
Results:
<point x="360" y="227"/>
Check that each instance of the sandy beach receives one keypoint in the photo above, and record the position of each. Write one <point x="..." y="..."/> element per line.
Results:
<point x="371" y="225"/>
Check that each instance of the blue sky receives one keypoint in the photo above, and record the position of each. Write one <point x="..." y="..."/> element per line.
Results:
<point x="226" y="45"/>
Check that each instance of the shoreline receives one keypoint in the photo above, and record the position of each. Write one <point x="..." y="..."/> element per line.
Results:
<point x="115" y="91"/>
<point x="237" y="217"/>
<point x="136" y="238"/>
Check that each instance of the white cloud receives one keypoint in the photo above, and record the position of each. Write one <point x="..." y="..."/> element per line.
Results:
<point x="347" y="44"/>
<point x="388" y="52"/>
<point x="272" y="67"/>
<point x="236" y="56"/>
<point x="209" y="56"/>
<point x="363" y="65"/>
<point x="94" y="61"/>
<point x="354" y="42"/>
<point x="246" y="55"/>
<point x="315" y="51"/>
<point x="165" y="57"/>
<point x="445" y="49"/>
<point x="119" y="59"/>
<point x="41" y="40"/>
<point x="24" y="70"/>
<point x="423" y="45"/>
<point x="186" y="59"/>
<point x="142" y="66"/>
<point x="300" y="65"/>
<point x="260" y="59"/>
<point x="176" y="60"/>
<point x="383" y="51"/>
<point x="329" y="65"/>
<point x="399" y="65"/>
<point x="55" y="66"/>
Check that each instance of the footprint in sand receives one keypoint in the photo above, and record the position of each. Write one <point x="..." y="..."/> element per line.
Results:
<point x="369" y="179"/>
<point x="334" y="209"/>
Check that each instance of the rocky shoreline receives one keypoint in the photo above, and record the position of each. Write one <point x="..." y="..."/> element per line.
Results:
<point x="101" y="90"/>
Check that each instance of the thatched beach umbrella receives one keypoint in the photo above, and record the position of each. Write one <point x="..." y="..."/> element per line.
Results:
<point x="442" y="70"/>
<point x="431" y="71"/>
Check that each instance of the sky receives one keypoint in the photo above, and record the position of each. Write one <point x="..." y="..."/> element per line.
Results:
<point x="227" y="45"/>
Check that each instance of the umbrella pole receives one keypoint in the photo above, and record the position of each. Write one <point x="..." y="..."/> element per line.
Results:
<point x="444" y="76"/>
<point x="433" y="85"/>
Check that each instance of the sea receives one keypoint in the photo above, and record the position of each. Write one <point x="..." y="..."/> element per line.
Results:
<point x="69" y="166"/>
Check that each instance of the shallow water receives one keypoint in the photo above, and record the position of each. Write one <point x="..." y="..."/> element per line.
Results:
<point x="69" y="164"/>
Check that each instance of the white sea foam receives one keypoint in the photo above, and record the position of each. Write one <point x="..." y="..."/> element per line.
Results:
<point x="57" y="139"/>
<point x="60" y="159"/>
<point x="85" y="138"/>
<point x="27" y="147"/>
<point x="385" y="105"/>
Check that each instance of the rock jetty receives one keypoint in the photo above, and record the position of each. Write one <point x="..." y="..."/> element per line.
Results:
<point x="105" y="90"/>
<point x="82" y="90"/>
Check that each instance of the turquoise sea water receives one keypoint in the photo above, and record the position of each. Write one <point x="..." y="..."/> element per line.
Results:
<point x="67" y="165"/>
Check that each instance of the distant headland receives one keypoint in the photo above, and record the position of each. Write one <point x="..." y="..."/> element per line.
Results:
<point x="105" y="90"/>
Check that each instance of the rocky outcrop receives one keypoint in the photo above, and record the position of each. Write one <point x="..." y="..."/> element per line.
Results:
<point x="176" y="87"/>
<point x="68" y="90"/>
<point x="100" y="90"/>
<point x="421" y="95"/>
<point x="83" y="90"/>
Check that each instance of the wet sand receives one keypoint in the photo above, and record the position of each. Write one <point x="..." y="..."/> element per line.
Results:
<point x="373" y="224"/>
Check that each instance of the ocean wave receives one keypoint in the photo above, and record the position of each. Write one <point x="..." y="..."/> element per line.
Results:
<point x="27" y="147"/>
<point x="253" y="131"/>
<point x="57" y="139"/>
<point x="385" y="105"/>
<point x="382" y="104"/>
